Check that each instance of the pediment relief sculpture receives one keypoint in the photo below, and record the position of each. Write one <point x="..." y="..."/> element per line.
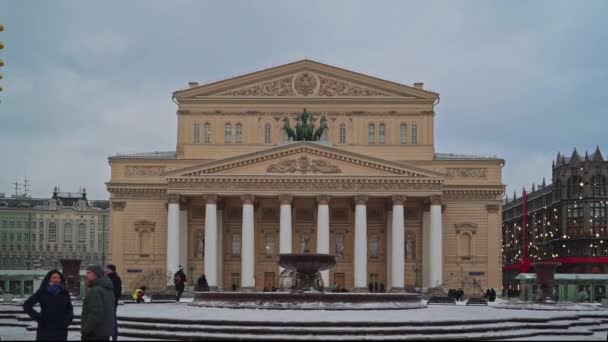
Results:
<point x="305" y="83"/>
<point x="144" y="171"/>
<point x="467" y="172"/>
<point x="303" y="164"/>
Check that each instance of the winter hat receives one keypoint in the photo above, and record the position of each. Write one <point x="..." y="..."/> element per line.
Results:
<point x="112" y="267"/>
<point x="97" y="270"/>
<point x="180" y="267"/>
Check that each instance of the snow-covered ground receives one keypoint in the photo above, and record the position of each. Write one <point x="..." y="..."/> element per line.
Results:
<point x="431" y="313"/>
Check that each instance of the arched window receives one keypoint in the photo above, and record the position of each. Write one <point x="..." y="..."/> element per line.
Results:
<point x="267" y="133"/>
<point x="465" y="246"/>
<point x="197" y="133"/>
<point x="414" y="134"/>
<point x="207" y="133"/>
<point x="403" y="133"/>
<point x="410" y="246"/>
<point x="239" y="133"/>
<point x="67" y="232"/>
<point x="575" y="187"/>
<point x="82" y="233"/>
<point x="342" y="133"/>
<point x="381" y="134"/>
<point x="228" y="133"/>
<point x="598" y="186"/>
<point x="269" y="245"/>
<point x="52" y="232"/>
<point x="371" y="132"/>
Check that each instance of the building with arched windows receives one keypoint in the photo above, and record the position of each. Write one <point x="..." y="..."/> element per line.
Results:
<point x="372" y="191"/>
<point x="565" y="221"/>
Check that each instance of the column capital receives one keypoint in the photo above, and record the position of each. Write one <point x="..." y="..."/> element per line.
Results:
<point x="285" y="199"/>
<point x="435" y="200"/>
<point x="173" y="198"/>
<point x="211" y="198"/>
<point x="399" y="199"/>
<point x="247" y="199"/>
<point x="323" y="199"/>
<point x="360" y="199"/>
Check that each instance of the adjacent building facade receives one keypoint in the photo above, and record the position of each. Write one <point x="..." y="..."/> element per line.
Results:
<point x="372" y="190"/>
<point x="565" y="221"/>
<point x="37" y="233"/>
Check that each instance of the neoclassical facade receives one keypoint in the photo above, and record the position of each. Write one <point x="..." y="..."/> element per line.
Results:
<point x="236" y="192"/>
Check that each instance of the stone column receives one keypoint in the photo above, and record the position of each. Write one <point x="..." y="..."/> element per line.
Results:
<point x="248" y="245"/>
<point x="172" y="253"/>
<point x="211" y="241"/>
<point x="389" y="238"/>
<point x="183" y="237"/>
<point x="494" y="274"/>
<point x="220" y="245"/>
<point x="360" y="252"/>
<point x="436" y="244"/>
<point x="426" y="247"/>
<point x="398" y="246"/>
<point x="285" y="240"/>
<point x="323" y="233"/>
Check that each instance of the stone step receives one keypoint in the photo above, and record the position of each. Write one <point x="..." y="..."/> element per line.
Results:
<point x="321" y="330"/>
<point x="184" y="336"/>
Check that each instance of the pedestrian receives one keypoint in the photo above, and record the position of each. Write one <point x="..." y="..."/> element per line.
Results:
<point x="371" y="287"/>
<point x="117" y="285"/>
<point x="179" y="280"/>
<point x="138" y="295"/>
<point x="202" y="283"/>
<point x="98" y="309"/>
<point x="56" y="311"/>
<point x="382" y="287"/>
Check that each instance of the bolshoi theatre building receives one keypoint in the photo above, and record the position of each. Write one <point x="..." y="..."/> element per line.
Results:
<point x="370" y="188"/>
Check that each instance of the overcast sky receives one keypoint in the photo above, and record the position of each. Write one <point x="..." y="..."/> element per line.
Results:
<point x="519" y="79"/>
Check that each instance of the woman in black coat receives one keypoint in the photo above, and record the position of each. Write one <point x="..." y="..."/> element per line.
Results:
<point x="56" y="310"/>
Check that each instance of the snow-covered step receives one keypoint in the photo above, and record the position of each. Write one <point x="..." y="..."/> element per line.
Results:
<point x="322" y="330"/>
<point x="307" y="337"/>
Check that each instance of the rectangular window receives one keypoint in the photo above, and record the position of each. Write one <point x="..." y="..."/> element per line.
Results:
<point x="414" y="134"/>
<point x="197" y="133"/>
<point x="236" y="246"/>
<point x="267" y="133"/>
<point x="239" y="133"/>
<point x="403" y="133"/>
<point x="371" y="134"/>
<point x="207" y="133"/>
<point x="373" y="247"/>
<point x="269" y="245"/>
<point x="382" y="134"/>
<point x="340" y="245"/>
<point x="342" y="134"/>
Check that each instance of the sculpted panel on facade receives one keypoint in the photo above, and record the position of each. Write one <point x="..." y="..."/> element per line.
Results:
<point x="303" y="164"/>
<point x="144" y="171"/>
<point x="467" y="172"/>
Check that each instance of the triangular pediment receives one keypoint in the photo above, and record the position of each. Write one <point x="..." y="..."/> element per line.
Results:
<point x="305" y="78"/>
<point x="303" y="158"/>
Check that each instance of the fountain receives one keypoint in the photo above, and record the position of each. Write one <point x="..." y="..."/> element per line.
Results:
<point x="307" y="268"/>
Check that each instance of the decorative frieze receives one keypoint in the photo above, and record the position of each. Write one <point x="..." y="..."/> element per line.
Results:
<point x="467" y="172"/>
<point x="471" y="195"/>
<point x="144" y="171"/>
<point x="303" y="164"/>
<point x="466" y="227"/>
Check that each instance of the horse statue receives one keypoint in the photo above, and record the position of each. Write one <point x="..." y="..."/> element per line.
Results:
<point x="305" y="128"/>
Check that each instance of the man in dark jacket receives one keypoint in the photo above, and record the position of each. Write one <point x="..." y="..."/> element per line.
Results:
<point x="98" y="309"/>
<point x="56" y="311"/>
<point x="179" y="280"/>
<point x="117" y="284"/>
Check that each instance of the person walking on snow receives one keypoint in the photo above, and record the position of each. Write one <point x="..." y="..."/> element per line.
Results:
<point x="56" y="311"/>
<point x="98" y="309"/>
<point x="179" y="280"/>
<point x="117" y="285"/>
